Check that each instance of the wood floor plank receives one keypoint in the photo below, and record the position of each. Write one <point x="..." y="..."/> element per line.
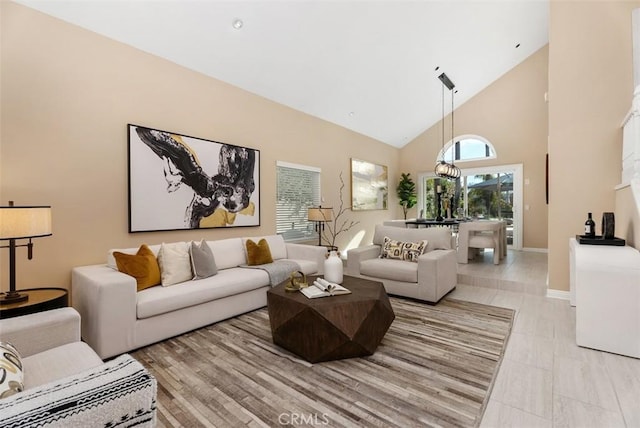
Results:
<point x="436" y="366"/>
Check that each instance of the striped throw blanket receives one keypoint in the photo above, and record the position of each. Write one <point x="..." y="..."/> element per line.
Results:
<point x="118" y="393"/>
<point x="278" y="271"/>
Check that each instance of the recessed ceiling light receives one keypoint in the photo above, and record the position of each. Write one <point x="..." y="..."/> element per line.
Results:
<point x="237" y="23"/>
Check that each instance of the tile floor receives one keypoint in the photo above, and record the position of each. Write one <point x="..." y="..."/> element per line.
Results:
<point x="546" y="380"/>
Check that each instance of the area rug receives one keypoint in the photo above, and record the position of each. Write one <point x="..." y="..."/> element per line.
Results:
<point x="435" y="367"/>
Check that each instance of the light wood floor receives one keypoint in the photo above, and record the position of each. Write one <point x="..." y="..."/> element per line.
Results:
<point x="546" y="380"/>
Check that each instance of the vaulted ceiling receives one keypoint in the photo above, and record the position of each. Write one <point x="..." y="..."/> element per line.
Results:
<point x="370" y="66"/>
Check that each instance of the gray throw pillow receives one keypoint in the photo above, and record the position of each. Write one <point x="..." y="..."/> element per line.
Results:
<point x="202" y="262"/>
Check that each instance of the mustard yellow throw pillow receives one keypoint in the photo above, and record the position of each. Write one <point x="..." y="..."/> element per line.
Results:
<point x="143" y="266"/>
<point x="258" y="254"/>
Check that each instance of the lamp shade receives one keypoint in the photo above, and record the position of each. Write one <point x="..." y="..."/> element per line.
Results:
<point x="24" y="222"/>
<point x="447" y="170"/>
<point x="320" y="214"/>
<point x="441" y="169"/>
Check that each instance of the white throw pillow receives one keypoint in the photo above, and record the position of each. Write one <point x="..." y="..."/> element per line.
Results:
<point x="175" y="263"/>
<point x="408" y="251"/>
<point x="11" y="375"/>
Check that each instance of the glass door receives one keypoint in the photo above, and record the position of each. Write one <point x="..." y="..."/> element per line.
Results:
<point x="482" y="194"/>
<point x="490" y="197"/>
<point x="450" y="197"/>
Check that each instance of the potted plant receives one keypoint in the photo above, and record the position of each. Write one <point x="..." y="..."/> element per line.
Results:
<point x="406" y="191"/>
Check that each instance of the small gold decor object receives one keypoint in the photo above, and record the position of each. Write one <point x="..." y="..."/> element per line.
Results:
<point x="297" y="281"/>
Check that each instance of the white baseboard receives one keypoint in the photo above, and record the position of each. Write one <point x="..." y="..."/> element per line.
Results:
<point x="558" y="294"/>
<point x="535" y="250"/>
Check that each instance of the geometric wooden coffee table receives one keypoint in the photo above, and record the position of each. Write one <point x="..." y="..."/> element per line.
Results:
<point x="330" y="328"/>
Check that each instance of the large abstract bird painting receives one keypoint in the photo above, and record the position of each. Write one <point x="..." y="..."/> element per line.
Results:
<point x="179" y="182"/>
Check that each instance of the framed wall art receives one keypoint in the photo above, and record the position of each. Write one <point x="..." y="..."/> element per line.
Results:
<point x="369" y="186"/>
<point x="180" y="182"/>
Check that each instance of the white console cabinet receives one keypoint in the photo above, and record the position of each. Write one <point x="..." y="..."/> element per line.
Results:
<point x="606" y="282"/>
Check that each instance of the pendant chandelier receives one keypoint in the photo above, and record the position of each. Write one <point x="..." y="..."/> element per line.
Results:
<point x="444" y="169"/>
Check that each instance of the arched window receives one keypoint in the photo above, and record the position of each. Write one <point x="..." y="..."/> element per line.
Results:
<point x="468" y="148"/>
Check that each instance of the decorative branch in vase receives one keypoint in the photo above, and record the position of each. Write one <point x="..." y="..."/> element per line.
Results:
<point x="333" y="228"/>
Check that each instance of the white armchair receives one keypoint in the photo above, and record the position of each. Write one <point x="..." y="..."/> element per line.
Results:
<point x="66" y="383"/>
<point x="430" y="278"/>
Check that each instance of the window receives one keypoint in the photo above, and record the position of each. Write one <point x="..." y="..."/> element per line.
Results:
<point x="468" y="148"/>
<point x="487" y="192"/>
<point x="298" y="188"/>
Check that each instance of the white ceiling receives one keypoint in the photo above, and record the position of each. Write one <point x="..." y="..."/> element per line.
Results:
<point x="366" y="65"/>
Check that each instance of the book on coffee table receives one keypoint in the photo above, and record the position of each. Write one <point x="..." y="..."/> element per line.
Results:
<point x="323" y="288"/>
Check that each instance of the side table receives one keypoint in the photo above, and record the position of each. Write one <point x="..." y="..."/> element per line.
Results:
<point x="606" y="281"/>
<point x="40" y="299"/>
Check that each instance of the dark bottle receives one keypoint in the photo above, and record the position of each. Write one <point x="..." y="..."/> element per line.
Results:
<point x="590" y="227"/>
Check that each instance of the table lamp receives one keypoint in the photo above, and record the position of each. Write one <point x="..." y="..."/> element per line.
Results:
<point x="320" y="216"/>
<point x="25" y="222"/>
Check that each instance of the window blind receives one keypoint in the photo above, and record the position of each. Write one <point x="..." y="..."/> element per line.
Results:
<point x="298" y="188"/>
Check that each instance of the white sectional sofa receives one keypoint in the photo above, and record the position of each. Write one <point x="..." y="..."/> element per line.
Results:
<point x="429" y="278"/>
<point x="117" y="318"/>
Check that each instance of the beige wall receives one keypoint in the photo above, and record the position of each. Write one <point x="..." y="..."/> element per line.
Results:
<point x="590" y="90"/>
<point x="67" y="96"/>
<point x="512" y="114"/>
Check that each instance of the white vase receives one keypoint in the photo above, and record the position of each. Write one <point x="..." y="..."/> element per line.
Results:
<point x="333" y="268"/>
